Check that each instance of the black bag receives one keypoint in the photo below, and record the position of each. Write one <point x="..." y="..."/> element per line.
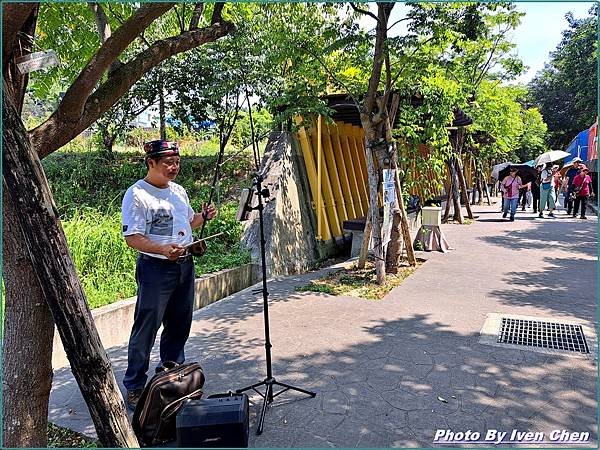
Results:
<point x="154" y="416"/>
<point x="221" y="420"/>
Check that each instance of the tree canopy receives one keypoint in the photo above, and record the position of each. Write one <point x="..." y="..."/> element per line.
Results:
<point x="565" y="91"/>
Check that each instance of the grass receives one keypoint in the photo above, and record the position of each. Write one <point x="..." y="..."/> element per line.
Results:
<point x="59" y="437"/>
<point x="355" y="282"/>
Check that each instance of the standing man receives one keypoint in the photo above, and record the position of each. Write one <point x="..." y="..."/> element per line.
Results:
<point x="570" y="175"/>
<point x="158" y="222"/>
<point x="547" y="195"/>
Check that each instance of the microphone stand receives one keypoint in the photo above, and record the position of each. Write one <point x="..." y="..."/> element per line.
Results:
<point x="269" y="382"/>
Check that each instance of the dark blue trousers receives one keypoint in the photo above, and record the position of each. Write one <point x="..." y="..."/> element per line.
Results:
<point x="165" y="296"/>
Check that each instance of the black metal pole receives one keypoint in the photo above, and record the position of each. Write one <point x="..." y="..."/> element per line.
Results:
<point x="269" y="381"/>
<point x="265" y="292"/>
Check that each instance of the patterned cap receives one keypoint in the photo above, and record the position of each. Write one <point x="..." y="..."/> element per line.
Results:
<point x="161" y="148"/>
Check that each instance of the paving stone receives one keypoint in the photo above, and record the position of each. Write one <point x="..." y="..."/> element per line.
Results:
<point x="424" y="424"/>
<point x="403" y="400"/>
<point x="335" y="402"/>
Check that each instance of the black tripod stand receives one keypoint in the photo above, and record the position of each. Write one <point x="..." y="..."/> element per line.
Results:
<point x="269" y="382"/>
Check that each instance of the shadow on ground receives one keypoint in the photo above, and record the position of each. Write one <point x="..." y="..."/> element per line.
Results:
<point x="404" y="380"/>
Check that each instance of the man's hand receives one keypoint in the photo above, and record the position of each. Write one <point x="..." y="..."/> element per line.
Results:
<point x="172" y="251"/>
<point x="208" y="211"/>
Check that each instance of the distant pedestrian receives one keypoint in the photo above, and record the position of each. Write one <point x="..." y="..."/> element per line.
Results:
<point x="535" y="188"/>
<point x="581" y="189"/>
<point x="557" y="181"/>
<point x="547" y="192"/>
<point x="569" y="177"/>
<point x="510" y="186"/>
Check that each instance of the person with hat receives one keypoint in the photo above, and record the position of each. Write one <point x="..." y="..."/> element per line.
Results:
<point x="510" y="187"/>
<point x="157" y="221"/>
<point x="547" y="191"/>
<point x="581" y="189"/>
<point x="570" y="176"/>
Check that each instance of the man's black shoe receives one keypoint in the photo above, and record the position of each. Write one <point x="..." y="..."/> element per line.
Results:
<point x="504" y="215"/>
<point x="133" y="396"/>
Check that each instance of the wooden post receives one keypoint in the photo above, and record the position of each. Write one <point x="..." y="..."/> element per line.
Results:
<point x="463" y="187"/>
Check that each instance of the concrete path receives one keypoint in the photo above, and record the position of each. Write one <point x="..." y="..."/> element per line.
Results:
<point x="392" y="372"/>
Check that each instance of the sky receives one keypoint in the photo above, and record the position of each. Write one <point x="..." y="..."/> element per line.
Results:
<point x="540" y="31"/>
<point x="538" y="34"/>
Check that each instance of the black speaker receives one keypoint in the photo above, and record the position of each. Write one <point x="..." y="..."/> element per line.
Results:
<point x="221" y="420"/>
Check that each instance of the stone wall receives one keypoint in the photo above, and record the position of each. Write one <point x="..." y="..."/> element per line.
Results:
<point x="289" y="227"/>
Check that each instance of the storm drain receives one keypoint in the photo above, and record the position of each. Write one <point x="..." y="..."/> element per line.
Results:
<point x="550" y="335"/>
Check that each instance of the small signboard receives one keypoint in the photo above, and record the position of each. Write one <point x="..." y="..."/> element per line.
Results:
<point x="389" y="204"/>
<point x="36" y="61"/>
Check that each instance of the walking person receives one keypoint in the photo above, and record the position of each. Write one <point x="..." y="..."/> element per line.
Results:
<point x="581" y="189"/>
<point x="570" y="176"/>
<point x="535" y="189"/>
<point x="157" y="221"/>
<point x="547" y="192"/>
<point x="510" y="186"/>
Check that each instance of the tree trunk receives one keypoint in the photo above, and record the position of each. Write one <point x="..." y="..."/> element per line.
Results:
<point x="41" y="239"/>
<point x="455" y="195"/>
<point x="370" y="138"/>
<point x="400" y="228"/>
<point x="364" y="247"/>
<point x="448" y="200"/>
<point x="26" y="369"/>
<point x="394" y="251"/>
<point x="463" y="186"/>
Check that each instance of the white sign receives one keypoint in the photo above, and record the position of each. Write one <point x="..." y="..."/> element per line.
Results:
<point x="36" y="61"/>
<point x="389" y="204"/>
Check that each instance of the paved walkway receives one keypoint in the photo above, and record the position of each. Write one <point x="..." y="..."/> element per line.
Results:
<point x="392" y="372"/>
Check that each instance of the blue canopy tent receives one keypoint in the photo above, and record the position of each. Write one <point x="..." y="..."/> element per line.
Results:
<point x="578" y="146"/>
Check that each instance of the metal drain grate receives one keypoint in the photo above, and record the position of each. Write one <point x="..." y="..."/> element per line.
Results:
<point x="534" y="333"/>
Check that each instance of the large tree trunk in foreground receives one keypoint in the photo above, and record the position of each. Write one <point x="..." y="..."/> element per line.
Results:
<point x="27" y="350"/>
<point x="41" y="239"/>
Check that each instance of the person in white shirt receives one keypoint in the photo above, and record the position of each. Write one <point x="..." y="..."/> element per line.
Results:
<point x="547" y="191"/>
<point x="157" y="221"/>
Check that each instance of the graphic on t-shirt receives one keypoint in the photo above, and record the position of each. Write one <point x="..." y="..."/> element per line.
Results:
<point x="162" y="223"/>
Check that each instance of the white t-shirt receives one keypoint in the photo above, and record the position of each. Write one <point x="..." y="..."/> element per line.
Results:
<point x="162" y="215"/>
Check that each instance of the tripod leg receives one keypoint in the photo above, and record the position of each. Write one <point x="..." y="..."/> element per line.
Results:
<point x="247" y="388"/>
<point x="304" y="391"/>
<point x="266" y="401"/>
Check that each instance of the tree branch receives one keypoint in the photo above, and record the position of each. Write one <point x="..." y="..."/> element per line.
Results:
<point x="383" y="10"/>
<point x="410" y="56"/>
<point x="216" y="15"/>
<point x="103" y="30"/>
<point x="363" y="11"/>
<point x="13" y="19"/>
<point x="196" y="16"/>
<point x="57" y="131"/>
<point x="331" y="74"/>
<point x="72" y="104"/>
